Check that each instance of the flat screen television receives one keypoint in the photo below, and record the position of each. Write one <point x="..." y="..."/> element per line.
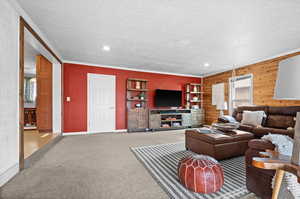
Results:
<point x="167" y="98"/>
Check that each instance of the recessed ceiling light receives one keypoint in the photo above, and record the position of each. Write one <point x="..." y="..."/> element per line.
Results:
<point x="206" y="65"/>
<point x="106" y="48"/>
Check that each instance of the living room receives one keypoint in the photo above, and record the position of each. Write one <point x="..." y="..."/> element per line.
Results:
<point x="156" y="99"/>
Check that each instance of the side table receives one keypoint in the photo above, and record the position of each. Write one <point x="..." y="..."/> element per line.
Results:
<point x="274" y="161"/>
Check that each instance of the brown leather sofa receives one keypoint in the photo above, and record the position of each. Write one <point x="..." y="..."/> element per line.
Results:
<point x="278" y="120"/>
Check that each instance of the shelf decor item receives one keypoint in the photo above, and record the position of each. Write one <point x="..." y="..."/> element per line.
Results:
<point x="138" y="85"/>
<point x="195" y="89"/>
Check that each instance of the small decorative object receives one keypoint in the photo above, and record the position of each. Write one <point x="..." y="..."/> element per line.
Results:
<point x="176" y="124"/>
<point x="138" y="85"/>
<point x="165" y="126"/>
<point x="142" y="96"/>
<point x="195" y="107"/>
<point x="225" y="127"/>
<point x="195" y="89"/>
<point x="200" y="173"/>
<point x="138" y="105"/>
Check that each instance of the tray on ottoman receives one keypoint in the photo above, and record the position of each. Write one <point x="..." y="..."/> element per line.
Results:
<point x="217" y="144"/>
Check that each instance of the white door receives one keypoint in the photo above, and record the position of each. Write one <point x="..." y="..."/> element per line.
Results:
<point x="101" y="103"/>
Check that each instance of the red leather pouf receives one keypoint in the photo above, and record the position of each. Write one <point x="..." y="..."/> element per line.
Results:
<point x="200" y="173"/>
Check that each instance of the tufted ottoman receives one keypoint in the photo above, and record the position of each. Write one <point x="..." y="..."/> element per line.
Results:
<point x="200" y="173"/>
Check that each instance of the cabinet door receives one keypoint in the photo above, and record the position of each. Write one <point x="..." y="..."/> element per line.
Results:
<point x="132" y="119"/>
<point x="154" y="121"/>
<point x="186" y="119"/>
<point x="197" y="117"/>
<point x="142" y="118"/>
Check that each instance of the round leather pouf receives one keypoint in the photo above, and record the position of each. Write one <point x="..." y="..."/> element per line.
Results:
<point x="200" y="173"/>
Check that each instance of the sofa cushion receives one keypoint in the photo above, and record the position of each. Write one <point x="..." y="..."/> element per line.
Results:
<point x="261" y="144"/>
<point x="282" y="110"/>
<point x="247" y="128"/>
<point x="238" y="112"/>
<point x="261" y="131"/>
<point x="253" y="117"/>
<point x="280" y="121"/>
<point x="240" y="109"/>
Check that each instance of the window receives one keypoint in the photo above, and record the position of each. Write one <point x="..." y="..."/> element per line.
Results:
<point x="30" y="90"/>
<point x="240" y="91"/>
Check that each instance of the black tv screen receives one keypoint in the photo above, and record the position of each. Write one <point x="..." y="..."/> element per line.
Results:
<point x="168" y="98"/>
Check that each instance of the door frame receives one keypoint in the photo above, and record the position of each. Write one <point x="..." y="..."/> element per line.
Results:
<point x="88" y="91"/>
<point x="22" y="25"/>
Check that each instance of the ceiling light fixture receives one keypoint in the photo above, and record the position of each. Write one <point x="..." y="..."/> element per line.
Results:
<point x="106" y="48"/>
<point x="206" y="65"/>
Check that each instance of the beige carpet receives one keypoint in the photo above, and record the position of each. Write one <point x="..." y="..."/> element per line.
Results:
<point x="90" y="167"/>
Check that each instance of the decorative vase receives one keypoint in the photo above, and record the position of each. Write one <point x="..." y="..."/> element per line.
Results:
<point x="138" y="85"/>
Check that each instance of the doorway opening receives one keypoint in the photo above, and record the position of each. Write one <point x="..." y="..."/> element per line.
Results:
<point x="40" y="93"/>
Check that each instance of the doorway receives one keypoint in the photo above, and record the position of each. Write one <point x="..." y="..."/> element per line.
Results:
<point x="101" y="103"/>
<point x="40" y="94"/>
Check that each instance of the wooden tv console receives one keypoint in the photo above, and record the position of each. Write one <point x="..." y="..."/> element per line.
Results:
<point x="167" y="119"/>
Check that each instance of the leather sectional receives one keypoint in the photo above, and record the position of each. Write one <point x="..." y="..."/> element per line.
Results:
<point x="278" y="120"/>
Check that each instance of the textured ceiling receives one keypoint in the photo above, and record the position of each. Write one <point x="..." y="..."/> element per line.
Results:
<point x="169" y="35"/>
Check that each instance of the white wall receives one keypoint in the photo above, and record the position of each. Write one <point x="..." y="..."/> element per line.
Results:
<point x="9" y="80"/>
<point x="56" y="82"/>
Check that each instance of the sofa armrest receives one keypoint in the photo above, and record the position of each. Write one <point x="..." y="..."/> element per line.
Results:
<point x="255" y="147"/>
<point x="261" y="144"/>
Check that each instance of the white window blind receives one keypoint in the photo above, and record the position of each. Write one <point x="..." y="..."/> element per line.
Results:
<point x="240" y="91"/>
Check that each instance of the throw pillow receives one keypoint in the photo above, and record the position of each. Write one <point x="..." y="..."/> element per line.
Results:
<point x="254" y="118"/>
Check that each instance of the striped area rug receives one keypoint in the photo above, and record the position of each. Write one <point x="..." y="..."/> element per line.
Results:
<point x="161" y="161"/>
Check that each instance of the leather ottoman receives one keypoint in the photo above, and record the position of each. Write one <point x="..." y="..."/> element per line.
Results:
<point x="218" y="145"/>
<point x="200" y="173"/>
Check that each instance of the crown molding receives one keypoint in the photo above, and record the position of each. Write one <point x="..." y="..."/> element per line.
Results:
<point x="253" y="62"/>
<point x="130" y="69"/>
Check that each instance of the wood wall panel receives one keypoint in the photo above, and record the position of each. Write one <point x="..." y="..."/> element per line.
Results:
<point x="264" y="79"/>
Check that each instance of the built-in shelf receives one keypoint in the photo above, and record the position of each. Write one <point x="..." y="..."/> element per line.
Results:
<point x="194" y="90"/>
<point x="195" y="101"/>
<point x="136" y="100"/>
<point x="171" y="120"/>
<point x="137" y="80"/>
<point x="195" y="84"/>
<point x="140" y="90"/>
<point x="141" y="100"/>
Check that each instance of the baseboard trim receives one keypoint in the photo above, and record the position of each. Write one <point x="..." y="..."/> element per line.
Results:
<point x="9" y="174"/>
<point x="120" y="130"/>
<point x="90" y="133"/>
<point x="75" y="133"/>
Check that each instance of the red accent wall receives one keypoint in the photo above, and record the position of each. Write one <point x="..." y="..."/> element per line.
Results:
<point x="75" y="86"/>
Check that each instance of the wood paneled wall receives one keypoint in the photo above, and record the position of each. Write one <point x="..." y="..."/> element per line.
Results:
<point x="264" y="78"/>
